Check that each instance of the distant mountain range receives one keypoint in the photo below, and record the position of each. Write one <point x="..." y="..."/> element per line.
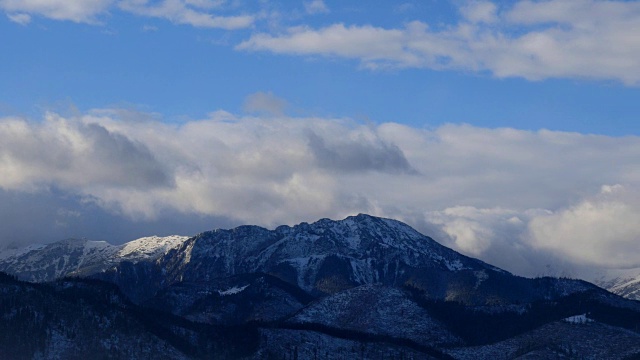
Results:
<point x="625" y="283"/>
<point x="362" y="287"/>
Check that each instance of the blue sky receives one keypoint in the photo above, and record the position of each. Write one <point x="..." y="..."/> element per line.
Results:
<point x="180" y="70"/>
<point x="496" y="127"/>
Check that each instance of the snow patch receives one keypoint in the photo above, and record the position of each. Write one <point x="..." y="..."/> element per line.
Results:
<point x="481" y="276"/>
<point x="15" y="252"/>
<point x="454" y="265"/>
<point x="578" y="319"/>
<point x="150" y="247"/>
<point x="233" y="290"/>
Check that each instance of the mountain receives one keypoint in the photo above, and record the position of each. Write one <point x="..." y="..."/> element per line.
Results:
<point x="363" y="287"/>
<point x="88" y="319"/>
<point x="327" y="257"/>
<point x="624" y="282"/>
<point x="41" y="263"/>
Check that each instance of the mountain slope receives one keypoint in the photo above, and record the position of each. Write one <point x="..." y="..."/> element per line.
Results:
<point x="321" y="258"/>
<point x="87" y="319"/>
<point x="375" y="285"/>
<point x="625" y="283"/>
<point x="80" y="257"/>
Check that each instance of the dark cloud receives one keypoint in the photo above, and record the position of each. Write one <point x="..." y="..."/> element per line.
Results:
<point x="358" y="155"/>
<point x="129" y="163"/>
<point x="53" y="215"/>
<point x="69" y="153"/>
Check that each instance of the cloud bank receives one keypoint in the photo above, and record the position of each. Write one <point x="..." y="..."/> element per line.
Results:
<point x="519" y="199"/>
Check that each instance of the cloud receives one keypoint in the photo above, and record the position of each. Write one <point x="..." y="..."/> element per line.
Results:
<point x="150" y="28"/>
<point x="81" y="11"/>
<point x="69" y="153"/>
<point x="508" y="196"/>
<point x="480" y="12"/>
<point x="533" y="40"/>
<point x="52" y="215"/>
<point x="362" y="152"/>
<point x="197" y="13"/>
<point x="404" y="7"/>
<point x="189" y="12"/>
<point x="373" y="46"/>
<point x="266" y="103"/>
<point x="495" y="235"/>
<point x="601" y="230"/>
<point x="19" y="18"/>
<point x="316" y="7"/>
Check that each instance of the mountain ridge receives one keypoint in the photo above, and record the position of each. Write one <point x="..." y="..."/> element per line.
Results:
<point x="374" y="285"/>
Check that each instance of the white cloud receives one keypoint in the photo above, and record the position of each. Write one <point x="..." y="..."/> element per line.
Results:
<point x="82" y="11"/>
<point x="601" y="230"/>
<point x="374" y="46"/>
<point x="316" y="7"/>
<point x="195" y="13"/>
<point x="480" y="11"/>
<point x="508" y="196"/>
<point x="473" y="230"/>
<point x="404" y="7"/>
<point x="534" y="40"/>
<point x="20" y="18"/>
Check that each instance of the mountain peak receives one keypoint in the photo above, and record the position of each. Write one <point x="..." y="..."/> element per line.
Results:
<point x="360" y="249"/>
<point x="75" y="256"/>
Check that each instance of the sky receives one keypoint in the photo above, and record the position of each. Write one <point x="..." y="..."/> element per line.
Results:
<point x="506" y="130"/>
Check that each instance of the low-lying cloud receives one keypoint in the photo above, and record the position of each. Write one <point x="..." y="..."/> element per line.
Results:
<point x="601" y="230"/>
<point x="518" y="199"/>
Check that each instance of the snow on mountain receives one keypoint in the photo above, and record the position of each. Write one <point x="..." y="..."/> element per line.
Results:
<point x="623" y="282"/>
<point x="578" y="319"/>
<point x="322" y="257"/>
<point x="80" y="256"/>
<point x="15" y="251"/>
<point x="375" y="285"/>
<point x="149" y="247"/>
<point x="388" y="311"/>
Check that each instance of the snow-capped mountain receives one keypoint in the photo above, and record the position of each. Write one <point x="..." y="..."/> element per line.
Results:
<point x="327" y="257"/>
<point x="624" y="282"/>
<point x="80" y="256"/>
<point x="357" y="250"/>
<point x="362" y="287"/>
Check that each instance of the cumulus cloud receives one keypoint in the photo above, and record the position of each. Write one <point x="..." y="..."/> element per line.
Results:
<point x="534" y="40"/>
<point x="601" y="230"/>
<point x="518" y="199"/>
<point x="69" y="154"/>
